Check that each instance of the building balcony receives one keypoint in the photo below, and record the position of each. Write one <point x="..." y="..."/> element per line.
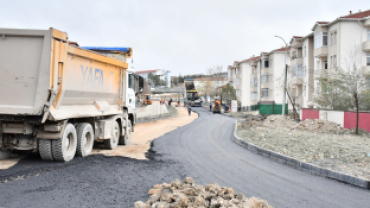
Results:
<point x="294" y="81"/>
<point x="367" y="23"/>
<point x="366" y="70"/>
<point x="319" y="73"/>
<point x="296" y="44"/>
<point x="267" y="85"/>
<point x="320" y="52"/>
<point x="253" y="64"/>
<point x="296" y="61"/>
<point x="366" y="46"/>
<point x="266" y="71"/>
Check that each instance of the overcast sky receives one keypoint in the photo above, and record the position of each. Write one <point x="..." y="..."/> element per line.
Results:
<point x="182" y="36"/>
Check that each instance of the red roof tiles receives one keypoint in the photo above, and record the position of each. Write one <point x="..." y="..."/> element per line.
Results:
<point x="358" y="15"/>
<point x="322" y="22"/>
<point x="282" y="49"/>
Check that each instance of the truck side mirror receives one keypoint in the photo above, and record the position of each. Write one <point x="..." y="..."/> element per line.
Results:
<point x="141" y="83"/>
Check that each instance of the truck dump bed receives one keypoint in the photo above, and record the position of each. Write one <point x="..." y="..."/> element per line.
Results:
<point x="39" y="68"/>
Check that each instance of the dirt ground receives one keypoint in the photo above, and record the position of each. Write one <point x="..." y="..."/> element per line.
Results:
<point x="145" y="133"/>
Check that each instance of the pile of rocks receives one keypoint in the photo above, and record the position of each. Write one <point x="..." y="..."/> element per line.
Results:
<point x="252" y="120"/>
<point x="279" y="121"/>
<point x="189" y="194"/>
<point x="318" y="125"/>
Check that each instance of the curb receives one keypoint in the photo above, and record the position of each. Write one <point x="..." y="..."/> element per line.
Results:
<point x="313" y="169"/>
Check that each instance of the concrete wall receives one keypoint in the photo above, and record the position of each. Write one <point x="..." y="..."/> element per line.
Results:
<point x="344" y="118"/>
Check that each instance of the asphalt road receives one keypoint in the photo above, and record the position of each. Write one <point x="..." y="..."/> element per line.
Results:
<point x="205" y="147"/>
<point x="203" y="150"/>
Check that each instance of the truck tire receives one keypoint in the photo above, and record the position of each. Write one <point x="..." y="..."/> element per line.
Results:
<point x="113" y="142"/>
<point x="85" y="139"/>
<point x="125" y="140"/>
<point x="45" y="149"/>
<point x="64" y="149"/>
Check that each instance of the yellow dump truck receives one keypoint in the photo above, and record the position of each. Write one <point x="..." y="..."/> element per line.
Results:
<point x="58" y="99"/>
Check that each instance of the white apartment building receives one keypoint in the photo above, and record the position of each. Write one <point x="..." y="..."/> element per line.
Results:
<point x="259" y="79"/>
<point x="331" y="45"/>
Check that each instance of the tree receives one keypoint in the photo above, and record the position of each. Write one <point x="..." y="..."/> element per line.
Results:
<point x="346" y="87"/>
<point x="217" y="77"/>
<point x="228" y="92"/>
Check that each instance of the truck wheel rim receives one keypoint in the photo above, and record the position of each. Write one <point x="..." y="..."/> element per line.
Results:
<point x="115" y="136"/>
<point x="69" y="143"/>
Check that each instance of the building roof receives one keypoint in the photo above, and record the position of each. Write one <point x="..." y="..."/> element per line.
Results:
<point x="251" y="59"/>
<point x="297" y="37"/>
<point x="322" y="22"/>
<point x="146" y="71"/>
<point x="354" y="16"/>
<point x="358" y="15"/>
<point x="281" y="49"/>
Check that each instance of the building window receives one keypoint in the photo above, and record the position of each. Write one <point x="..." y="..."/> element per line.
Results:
<point x="368" y="59"/>
<point x="333" y="37"/>
<point x="265" y="63"/>
<point x="254" y="82"/>
<point x="265" y="92"/>
<point x="318" y="65"/>
<point x="297" y="70"/>
<point x="321" y="39"/>
<point x="305" y="51"/>
<point x="254" y="95"/>
<point x="265" y="78"/>
<point x="326" y="64"/>
<point x="368" y="34"/>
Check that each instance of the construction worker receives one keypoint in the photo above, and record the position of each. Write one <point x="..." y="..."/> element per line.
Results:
<point x="210" y="106"/>
<point x="189" y="110"/>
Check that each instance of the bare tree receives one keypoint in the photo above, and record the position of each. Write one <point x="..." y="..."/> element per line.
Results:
<point x="345" y="86"/>
<point x="217" y="78"/>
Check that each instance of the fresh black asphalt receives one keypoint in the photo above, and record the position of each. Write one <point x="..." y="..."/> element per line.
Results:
<point x="203" y="150"/>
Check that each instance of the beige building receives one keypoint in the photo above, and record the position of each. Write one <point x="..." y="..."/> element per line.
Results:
<point x="329" y="46"/>
<point x="259" y="79"/>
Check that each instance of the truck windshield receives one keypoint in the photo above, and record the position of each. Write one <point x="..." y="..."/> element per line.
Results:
<point x="131" y="81"/>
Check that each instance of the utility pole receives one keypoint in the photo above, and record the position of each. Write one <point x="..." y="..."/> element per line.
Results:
<point x="285" y="75"/>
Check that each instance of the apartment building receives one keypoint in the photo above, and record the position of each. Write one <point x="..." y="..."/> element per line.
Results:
<point x="259" y="79"/>
<point x="331" y="45"/>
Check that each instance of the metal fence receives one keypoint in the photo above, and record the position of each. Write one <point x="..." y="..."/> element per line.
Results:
<point x="265" y="109"/>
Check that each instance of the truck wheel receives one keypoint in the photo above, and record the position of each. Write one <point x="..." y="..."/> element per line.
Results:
<point x="45" y="149"/>
<point x="64" y="149"/>
<point x="85" y="139"/>
<point x="113" y="142"/>
<point x="124" y="140"/>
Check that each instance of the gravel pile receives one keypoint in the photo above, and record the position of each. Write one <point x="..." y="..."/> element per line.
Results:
<point x="189" y="194"/>
<point x="279" y="121"/>
<point x="317" y="125"/>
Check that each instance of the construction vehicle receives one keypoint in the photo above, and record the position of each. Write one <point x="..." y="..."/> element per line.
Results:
<point x="147" y="100"/>
<point x="216" y="105"/>
<point x="192" y="96"/>
<point x="58" y="99"/>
